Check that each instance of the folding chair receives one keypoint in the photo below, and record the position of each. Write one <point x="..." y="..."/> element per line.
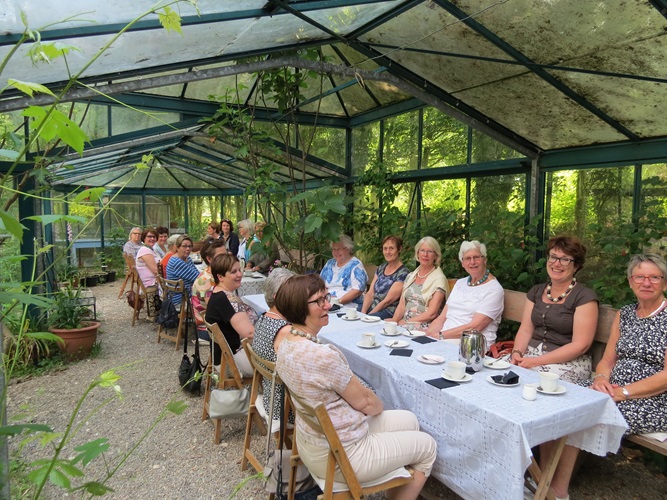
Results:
<point x="262" y="369"/>
<point x="318" y="419"/>
<point x="171" y="287"/>
<point x="229" y="377"/>
<point x="141" y="291"/>
<point x="129" y="263"/>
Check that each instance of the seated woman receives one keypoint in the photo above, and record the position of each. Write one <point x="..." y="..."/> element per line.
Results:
<point x="133" y="244"/>
<point x="375" y="441"/>
<point x="475" y="302"/>
<point x="262" y="254"/>
<point x="171" y="251"/>
<point x="146" y="264"/>
<point x="270" y="329"/>
<point x="345" y="275"/>
<point x="385" y="289"/>
<point x="560" y="317"/>
<point x="213" y="231"/>
<point x="246" y="228"/>
<point x="180" y="267"/>
<point x="235" y="318"/>
<point x="633" y="369"/>
<point x="160" y="248"/>
<point x="203" y="285"/>
<point x="425" y="288"/>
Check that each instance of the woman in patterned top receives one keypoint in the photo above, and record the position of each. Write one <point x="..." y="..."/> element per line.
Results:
<point x="270" y="329"/>
<point x="345" y="275"/>
<point x="633" y="369"/>
<point x="385" y="289"/>
<point x="376" y="441"/>
<point x="203" y="285"/>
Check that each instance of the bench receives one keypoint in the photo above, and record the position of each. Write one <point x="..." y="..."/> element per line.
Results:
<point x="514" y="305"/>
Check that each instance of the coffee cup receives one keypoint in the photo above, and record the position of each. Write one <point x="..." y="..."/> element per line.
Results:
<point x="549" y="381"/>
<point x="456" y="370"/>
<point x="351" y="313"/>
<point x="368" y="339"/>
<point x="390" y="327"/>
<point x="529" y="392"/>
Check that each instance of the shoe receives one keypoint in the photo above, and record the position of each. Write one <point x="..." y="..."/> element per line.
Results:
<point x="203" y="342"/>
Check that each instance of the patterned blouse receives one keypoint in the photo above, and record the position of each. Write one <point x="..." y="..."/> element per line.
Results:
<point x="384" y="282"/>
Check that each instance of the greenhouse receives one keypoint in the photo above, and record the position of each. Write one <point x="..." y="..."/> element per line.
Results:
<point x="510" y="122"/>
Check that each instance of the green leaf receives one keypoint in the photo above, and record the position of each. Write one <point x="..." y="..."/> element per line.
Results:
<point x="170" y="20"/>
<point x="8" y="153"/>
<point x="14" y="430"/>
<point x="176" y="407"/>
<point x="90" y="451"/>
<point x="108" y="379"/>
<point x="51" y="218"/>
<point x="56" y="125"/>
<point x="313" y="222"/>
<point x="23" y="298"/>
<point x="97" y="489"/>
<point x="46" y="52"/>
<point x="29" y="87"/>
<point x="91" y="194"/>
<point x="38" y="475"/>
<point x="59" y="479"/>
<point x="69" y="469"/>
<point x="13" y="225"/>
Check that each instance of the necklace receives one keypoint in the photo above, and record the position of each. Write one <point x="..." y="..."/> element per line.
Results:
<point x="305" y="335"/>
<point x="562" y="295"/>
<point x="274" y="314"/>
<point x="470" y="283"/>
<point x="426" y="275"/>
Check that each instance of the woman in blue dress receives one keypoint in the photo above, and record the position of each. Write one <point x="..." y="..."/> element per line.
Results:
<point x="345" y="275"/>
<point x="385" y="289"/>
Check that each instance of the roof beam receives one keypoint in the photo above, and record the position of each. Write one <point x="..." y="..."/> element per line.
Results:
<point x="661" y="5"/>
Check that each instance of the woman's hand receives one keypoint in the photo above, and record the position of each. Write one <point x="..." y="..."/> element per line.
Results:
<point x="601" y="384"/>
<point x="528" y="362"/>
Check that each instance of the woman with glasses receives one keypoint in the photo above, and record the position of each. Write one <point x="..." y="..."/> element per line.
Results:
<point x="133" y="244"/>
<point x="560" y="317"/>
<point x="376" y="441"/>
<point x="146" y="260"/>
<point x="345" y="274"/>
<point x="181" y="267"/>
<point x="229" y="236"/>
<point x="475" y="302"/>
<point x="632" y="370"/>
<point x="425" y="288"/>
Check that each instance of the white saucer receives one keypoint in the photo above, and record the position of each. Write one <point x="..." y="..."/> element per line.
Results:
<point x="370" y="319"/>
<point x="390" y="334"/>
<point x="489" y="379"/>
<point x="349" y="319"/>
<point x="414" y="333"/>
<point x="432" y="359"/>
<point x="498" y="365"/>
<point x="561" y="390"/>
<point x="361" y="344"/>
<point x="466" y="377"/>
<point x="396" y="344"/>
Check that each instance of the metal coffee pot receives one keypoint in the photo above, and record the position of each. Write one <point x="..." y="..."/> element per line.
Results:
<point x="473" y="349"/>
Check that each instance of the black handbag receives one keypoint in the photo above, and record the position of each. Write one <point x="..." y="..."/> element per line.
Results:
<point x="190" y="372"/>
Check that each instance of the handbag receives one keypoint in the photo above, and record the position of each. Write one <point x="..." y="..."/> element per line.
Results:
<point x="502" y="348"/>
<point x="132" y="299"/>
<point x="229" y="403"/>
<point x="190" y="372"/>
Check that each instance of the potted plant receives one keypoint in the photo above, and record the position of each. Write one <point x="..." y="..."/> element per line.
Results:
<point x="68" y="319"/>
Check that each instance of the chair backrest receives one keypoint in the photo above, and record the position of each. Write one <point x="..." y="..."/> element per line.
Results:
<point x="172" y="286"/>
<point x="129" y="260"/>
<point x="266" y="368"/>
<point x="227" y="362"/>
<point x="318" y="419"/>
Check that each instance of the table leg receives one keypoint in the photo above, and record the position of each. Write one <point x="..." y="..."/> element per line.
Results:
<point x="543" y="477"/>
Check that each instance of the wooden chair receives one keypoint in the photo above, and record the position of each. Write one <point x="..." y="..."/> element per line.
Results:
<point x="171" y="287"/>
<point x="130" y="264"/>
<point x="262" y="369"/>
<point x="229" y="377"/>
<point x="318" y="419"/>
<point x="140" y="290"/>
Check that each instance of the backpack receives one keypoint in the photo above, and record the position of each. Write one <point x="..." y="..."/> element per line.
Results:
<point x="168" y="316"/>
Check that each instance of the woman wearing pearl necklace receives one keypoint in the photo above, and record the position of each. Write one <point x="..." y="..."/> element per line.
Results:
<point x="377" y="441"/>
<point x="425" y="289"/>
<point x="475" y="303"/>
<point x="560" y="317"/>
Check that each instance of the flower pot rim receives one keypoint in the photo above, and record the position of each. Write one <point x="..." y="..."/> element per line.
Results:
<point x="88" y="325"/>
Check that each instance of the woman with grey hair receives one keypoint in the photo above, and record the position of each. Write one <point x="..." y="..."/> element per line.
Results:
<point x="476" y="302"/>
<point x="633" y="369"/>
<point x="270" y="329"/>
<point x="245" y="235"/>
<point x="133" y="243"/>
<point x="425" y="288"/>
<point x="344" y="274"/>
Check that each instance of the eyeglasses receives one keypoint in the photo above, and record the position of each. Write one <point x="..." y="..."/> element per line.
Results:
<point x="150" y="237"/>
<point x="473" y="258"/>
<point x="134" y="234"/>
<point x="321" y="300"/>
<point x="424" y="250"/>
<point x="565" y="261"/>
<point x="639" y="279"/>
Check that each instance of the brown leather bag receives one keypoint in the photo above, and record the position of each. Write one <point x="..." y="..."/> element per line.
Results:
<point x="500" y="349"/>
<point x="132" y="297"/>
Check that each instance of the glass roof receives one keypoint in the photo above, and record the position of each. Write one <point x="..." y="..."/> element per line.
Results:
<point x="541" y="75"/>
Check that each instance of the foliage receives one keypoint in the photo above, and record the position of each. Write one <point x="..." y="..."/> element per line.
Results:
<point x="67" y="312"/>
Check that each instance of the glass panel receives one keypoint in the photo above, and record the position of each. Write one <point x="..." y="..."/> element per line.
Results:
<point x="95" y="120"/>
<point x="484" y="148"/>
<point x="400" y="142"/>
<point x="128" y="120"/>
<point x="365" y="145"/>
<point x="445" y="140"/>
<point x="654" y="192"/>
<point x="324" y="142"/>
<point x="202" y="210"/>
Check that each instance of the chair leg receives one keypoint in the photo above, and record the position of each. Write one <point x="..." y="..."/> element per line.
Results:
<point x="122" y="288"/>
<point x="207" y="391"/>
<point x="218" y="431"/>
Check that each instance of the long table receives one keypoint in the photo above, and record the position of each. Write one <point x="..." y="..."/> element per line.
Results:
<point x="484" y="432"/>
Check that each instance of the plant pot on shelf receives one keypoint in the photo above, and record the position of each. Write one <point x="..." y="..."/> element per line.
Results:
<point x="90" y="281"/>
<point x="78" y="341"/>
<point x="111" y="276"/>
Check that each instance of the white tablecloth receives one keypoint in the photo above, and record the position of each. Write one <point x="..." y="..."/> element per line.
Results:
<point x="252" y="285"/>
<point x="484" y="432"/>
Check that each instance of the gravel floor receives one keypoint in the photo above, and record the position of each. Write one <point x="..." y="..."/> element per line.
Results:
<point x="178" y="459"/>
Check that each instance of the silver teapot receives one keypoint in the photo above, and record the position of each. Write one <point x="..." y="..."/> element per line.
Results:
<point x="473" y="349"/>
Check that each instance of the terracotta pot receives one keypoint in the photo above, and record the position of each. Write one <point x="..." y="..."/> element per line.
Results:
<point x="79" y="341"/>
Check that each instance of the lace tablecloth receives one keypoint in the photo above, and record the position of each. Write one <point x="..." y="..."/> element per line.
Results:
<point x="252" y="285"/>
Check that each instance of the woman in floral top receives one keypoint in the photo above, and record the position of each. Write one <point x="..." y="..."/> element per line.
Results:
<point x="385" y="290"/>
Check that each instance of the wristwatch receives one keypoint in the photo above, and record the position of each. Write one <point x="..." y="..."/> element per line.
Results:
<point x="625" y="392"/>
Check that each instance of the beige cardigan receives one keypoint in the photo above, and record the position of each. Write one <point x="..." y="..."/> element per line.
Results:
<point x="435" y="280"/>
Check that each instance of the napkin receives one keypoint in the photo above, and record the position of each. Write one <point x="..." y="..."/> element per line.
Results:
<point x="441" y="383"/>
<point x="470" y="370"/>
<point x="424" y="340"/>
<point x="401" y="352"/>
<point x="507" y="378"/>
